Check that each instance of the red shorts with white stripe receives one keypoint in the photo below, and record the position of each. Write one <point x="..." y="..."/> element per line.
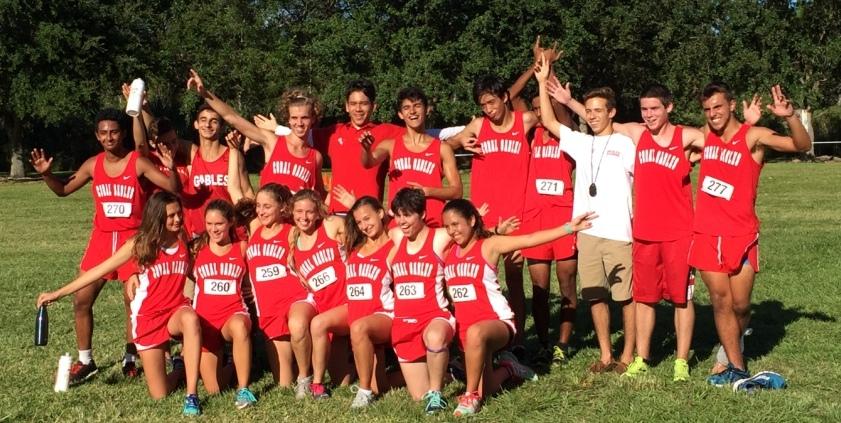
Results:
<point x="407" y="335"/>
<point x="661" y="271"/>
<point x="101" y="246"/>
<point x="150" y="331"/>
<point x="724" y="254"/>
<point x="560" y="249"/>
<point x="276" y="325"/>
<point x="211" y="331"/>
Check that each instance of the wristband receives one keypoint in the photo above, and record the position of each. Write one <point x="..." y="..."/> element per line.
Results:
<point x="568" y="228"/>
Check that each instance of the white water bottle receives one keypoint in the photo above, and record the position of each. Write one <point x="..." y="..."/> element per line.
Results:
<point x="62" y="377"/>
<point x="135" y="99"/>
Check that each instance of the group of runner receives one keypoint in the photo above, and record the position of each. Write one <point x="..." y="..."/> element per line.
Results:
<point x="325" y="269"/>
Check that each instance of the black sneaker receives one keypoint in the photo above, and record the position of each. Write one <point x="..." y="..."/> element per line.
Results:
<point x="130" y="369"/>
<point x="82" y="372"/>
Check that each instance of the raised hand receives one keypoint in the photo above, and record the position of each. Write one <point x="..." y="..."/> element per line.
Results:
<point x="366" y="140"/>
<point x="553" y="54"/>
<point x="535" y="49"/>
<point x="471" y="144"/>
<point x="39" y="161"/>
<point x="780" y="106"/>
<point x="268" y="123"/>
<point x="234" y="139"/>
<point x="343" y="196"/>
<point x="483" y="209"/>
<point x="560" y="92"/>
<point x="195" y="82"/>
<point x="166" y="155"/>
<point x="583" y="221"/>
<point x="508" y="225"/>
<point x="542" y="69"/>
<point x="752" y="111"/>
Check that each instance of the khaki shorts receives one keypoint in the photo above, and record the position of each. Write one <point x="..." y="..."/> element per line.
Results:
<point x="604" y="265"/>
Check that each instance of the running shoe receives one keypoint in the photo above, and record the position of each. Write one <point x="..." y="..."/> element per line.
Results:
<point x="244" y="399"/>
<point x="82" y="372"/>
<point x="637" y="367"/>
<point x="362" y="399"/>
<point x="761" y="380"/>
<point x="130" y="369"/>
<point x="468" y="404"/>
<point x="518" y="371"/>
<point x="435" y="402"/>
<point x="560" y="355"/>
<point x="319" y="391"/>
<point x="302" y="388"/>
<point x="727" y="377"/>
<point x="681" y="371"/>
<point x="191" y="406"/>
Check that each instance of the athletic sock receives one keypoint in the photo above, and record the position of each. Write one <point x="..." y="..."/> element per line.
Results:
<point x="86" y="356"/>
<point x="367" y="392"/>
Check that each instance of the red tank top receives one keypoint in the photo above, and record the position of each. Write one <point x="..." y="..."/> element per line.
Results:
<point x="369" y="283"/>
<point x="499" y="175"/>
<point x="727" y="186"/>
<point x="162" y="283"/>
<point x="323" y="268"/>
<point x="219" y="283"/>
<point x="663" y="204"/>
<point x="272" y="282"/>
<point x="181" y="168"/>
<point x="473" y="287"/>
<point x="550" y="177"/>
<point x="283" y="168"/>
<point x="423" y="168"/>
<point x="418" y="280"/>
<point x="208" y="181"/>
<point x="118" y="201"/>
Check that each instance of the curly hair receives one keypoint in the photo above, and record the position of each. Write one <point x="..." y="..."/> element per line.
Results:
<point x="299" y="97"/>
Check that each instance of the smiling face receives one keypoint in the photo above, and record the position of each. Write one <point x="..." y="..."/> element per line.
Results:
<point x="305" y="214"/>
<point x="409" y="223"/>
<point x="413" y="113"/>
<point x="174" y="218"/>
<point x="458" y="227"/>
<point x="301" y="119"/>
<point x="599" y="116"/>
<point x="360" y="108"/>
<point x="718" y="111"/>
<point x="218" y="228"/>
<point x="654" y="113"/>
<point x="369" y="221"/>
<point x="207" y="123"/>
<point x="269" y="211"/>
<point x="109" y="135"/>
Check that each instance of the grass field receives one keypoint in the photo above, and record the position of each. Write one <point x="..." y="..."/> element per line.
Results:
<point x="796" y="314"/>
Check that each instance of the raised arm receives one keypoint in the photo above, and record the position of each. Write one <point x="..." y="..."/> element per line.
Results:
<point x="549" y="121"/>
<point x="241" y="124"/>
<point x="782" y="108"/>
<point x="496" y="246"/>
<point x="373" y="158"/>
<point x="62" y="188"/>
<point x="552" y="54"/>
<point x="234" y="175"/>
<point x="141" y="138"/>
<point x="467" y="137"/>
<point x="148" y="170"/>
<point x="86" y="278"/>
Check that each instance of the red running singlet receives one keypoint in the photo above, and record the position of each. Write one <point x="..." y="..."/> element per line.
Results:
<point x="208" y="181"/>
<point x="161" y="286"/>
<point x="273" y="284"/>
<point x="369" y="284"/>
<point x="499" y="175"/>
<point x="550" y="177"/>
<point x="418" y="281"/>
<point x="219" y="283"/>
<point x="284" y="168"/>
<point x="323" y="268"/>
<point x="181" y="168"/>
<point x="727" y="186"/>
<point x="663" y="204"/>
<point x="474" y="288"/>
<point x="423" y="168"/>
<point x="118" y="201"/>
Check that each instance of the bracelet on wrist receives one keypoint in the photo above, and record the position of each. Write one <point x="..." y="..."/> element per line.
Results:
<point x="568" y="228"/>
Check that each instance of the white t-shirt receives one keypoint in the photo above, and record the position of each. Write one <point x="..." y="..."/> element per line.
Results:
<point x="614" y="180"/>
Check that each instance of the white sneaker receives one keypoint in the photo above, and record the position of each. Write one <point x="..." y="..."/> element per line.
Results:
<point x="363" y="399"/>
<point x="302" y="388"/>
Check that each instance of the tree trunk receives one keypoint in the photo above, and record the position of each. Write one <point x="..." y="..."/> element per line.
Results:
<point x="14" y="131"/>
<point x="805" y="116"/>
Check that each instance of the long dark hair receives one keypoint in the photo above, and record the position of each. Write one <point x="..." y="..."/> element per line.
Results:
<point x="152" y="232"/>
<point x="282" y="195"/>
<point x="315" y="197"/>
<point x="226" y="209"/>
<point x="466" y="209"/>
<point x="353" y="235"/>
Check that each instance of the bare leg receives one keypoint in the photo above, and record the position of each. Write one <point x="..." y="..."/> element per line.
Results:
<point x="417" y="379"/>
<point x="566" y="271"/>
<point x="516" y="296"/>
<point x="83" y="300"/>
<point x="300" y="316"/>
<point x="645" y="319"/>
<point x="238" y="330"/>
<point x="539" y="272"/>
<point x="185" y="322"/>
<point x="210" y="370"/>
<point x="279" y="355"/>
<point x="601" y="323"/>
<point x="154" y="365"/>
<point x="629" y="323"/>
<point x="332" y="321"/>
<point x="726" y="320"/>
<point x="482" y="339"/>
<point x="365" y="334"/>
<point x="437" y="337"/>
<point x="684" y="325"/>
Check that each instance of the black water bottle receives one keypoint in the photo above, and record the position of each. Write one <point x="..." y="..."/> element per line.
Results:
<point x="42" y="327"/>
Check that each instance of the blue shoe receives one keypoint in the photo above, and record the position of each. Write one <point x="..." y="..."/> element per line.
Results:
<point x="435" y="402"/>
<point x="191" y="406"/>
<point x="761" y="380"/>
<point x="244" y="399"/>
<point x="727" y="377"/>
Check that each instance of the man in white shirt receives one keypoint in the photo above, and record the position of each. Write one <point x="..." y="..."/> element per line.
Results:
<point x="603" y="184"/>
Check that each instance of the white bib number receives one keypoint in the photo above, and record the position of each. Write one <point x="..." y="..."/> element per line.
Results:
<point x="549" y="187"/>
<point x="359" y="291"/>
<point x="220" y="287"/>
<point x="717" y="188"/>
<point x="323" y="279"/>
<point x="409" y="291"/>
<point x="462" y="293"/>
<point x="112" y="209"/>
<point x="270" y="272"/>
